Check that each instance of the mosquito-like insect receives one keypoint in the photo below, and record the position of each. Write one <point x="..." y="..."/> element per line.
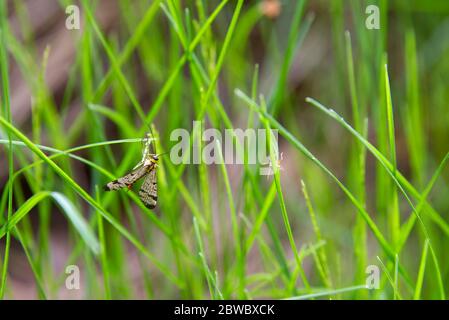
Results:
<point x="145" y="168"/>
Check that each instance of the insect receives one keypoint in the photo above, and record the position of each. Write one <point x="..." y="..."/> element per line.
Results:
<point x="145" y="168"/>
<point x="269" y="171"/>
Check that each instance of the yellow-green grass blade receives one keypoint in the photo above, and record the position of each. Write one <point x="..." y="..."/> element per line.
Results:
<point x="77" y="188"/>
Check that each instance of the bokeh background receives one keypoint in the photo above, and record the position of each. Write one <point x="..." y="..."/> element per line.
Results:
<point x="226" y="231"/>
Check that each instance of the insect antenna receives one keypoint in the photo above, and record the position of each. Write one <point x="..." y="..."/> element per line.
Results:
<point x="163" y="153"/>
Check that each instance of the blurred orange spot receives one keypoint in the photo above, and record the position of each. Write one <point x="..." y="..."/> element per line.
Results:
<point x="270" y="8"/>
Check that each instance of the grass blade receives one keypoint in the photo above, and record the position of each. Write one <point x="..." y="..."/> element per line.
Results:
<point x="422" y="269"/>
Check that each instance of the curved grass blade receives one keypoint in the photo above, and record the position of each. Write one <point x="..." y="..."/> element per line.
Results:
<point x="401" y="183"/>
<point x="328" y="293"/>
<point x="78" y="221"/>
<point x="298" y="145"/>
<point x="72" y="213"/>
<point x="114" y="222"/>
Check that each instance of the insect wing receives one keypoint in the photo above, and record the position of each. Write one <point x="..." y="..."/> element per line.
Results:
<point x="148" y="190"/>
<point x="127" y="180"/>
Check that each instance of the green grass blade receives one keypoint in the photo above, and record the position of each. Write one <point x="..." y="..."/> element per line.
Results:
<point x="90" y="200"/>
<point x="67" y="207"/>
<point x="394" y="214"/>
<point x="277" y="180"/>
<point x="298" y="145"/>
<point x="78" y="221"/>
<point x="6" y="111"/>
<point x="421" y="271"/>
<point x="235" y="225"/>
<point x="328" y="293"/>
<point x="211" y="280"/>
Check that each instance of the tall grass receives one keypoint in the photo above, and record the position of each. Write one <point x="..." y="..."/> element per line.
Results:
<point x="364" y="177"/>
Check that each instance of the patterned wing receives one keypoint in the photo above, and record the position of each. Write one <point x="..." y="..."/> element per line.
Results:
<point x="148" y="190"/>
<point x="128" y="180"/>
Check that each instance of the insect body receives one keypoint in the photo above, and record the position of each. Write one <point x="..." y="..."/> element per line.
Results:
<point x="146" y="168"/>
